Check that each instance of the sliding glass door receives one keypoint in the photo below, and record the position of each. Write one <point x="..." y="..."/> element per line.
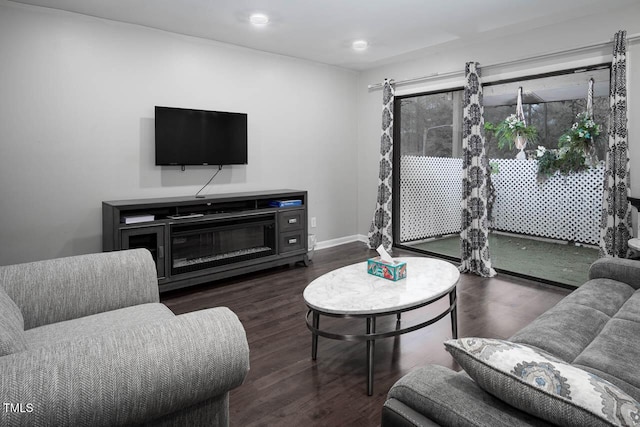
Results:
<point x="544" y="227"/>
<point x="429" y="128"/>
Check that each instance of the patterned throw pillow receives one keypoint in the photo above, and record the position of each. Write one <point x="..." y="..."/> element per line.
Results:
<point x="542" y="385"/>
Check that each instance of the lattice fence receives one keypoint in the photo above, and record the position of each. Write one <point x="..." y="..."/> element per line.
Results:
<point x="430" y="192"/>
<point x="562" y="207"/>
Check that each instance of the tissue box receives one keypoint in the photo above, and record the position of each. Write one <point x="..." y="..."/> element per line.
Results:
<point x="395" y="271"/>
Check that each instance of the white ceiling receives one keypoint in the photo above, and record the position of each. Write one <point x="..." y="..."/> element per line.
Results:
<point x="322" y="30"/>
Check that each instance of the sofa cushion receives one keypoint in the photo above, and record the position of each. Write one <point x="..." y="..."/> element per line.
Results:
<point x="543" y="385"/>
<point x="595" y="329"/>
<point x="568" y="328"/>
<point x="563" y="331"/>
<point x="615" y="355"/>
<point x="631" y="309"/>
<point x="97" y="324"/>
<point x="604" y="295"/>
<point x="12" y="339"/>
<point x="452" y="398"/>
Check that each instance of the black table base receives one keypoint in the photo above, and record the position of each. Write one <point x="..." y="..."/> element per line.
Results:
<point x="313" y="323"/>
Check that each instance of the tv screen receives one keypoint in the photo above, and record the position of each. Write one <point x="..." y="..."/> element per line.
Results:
<point x="200" y="137"/>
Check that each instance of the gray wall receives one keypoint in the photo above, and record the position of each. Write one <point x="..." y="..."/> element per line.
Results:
<point x="493" y="49"/>
<point x="76" y="118"/>
<point x="77" y="126"/>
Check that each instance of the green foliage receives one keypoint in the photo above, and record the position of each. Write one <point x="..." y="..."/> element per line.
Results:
<point x="564" y="161"/>
<point x="507" y="130"/>
<point x="547" y="162"/>
<point x="572" y="160"/>
<point x="581" y="134"/>
<point x="495" y="168"/>
<point x="574" y="143"/>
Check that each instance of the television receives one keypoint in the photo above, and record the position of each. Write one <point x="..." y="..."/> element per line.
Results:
<point x="199" y="137"/>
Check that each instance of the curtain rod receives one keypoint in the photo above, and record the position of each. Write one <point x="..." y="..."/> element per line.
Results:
<point x="502" y="64"/>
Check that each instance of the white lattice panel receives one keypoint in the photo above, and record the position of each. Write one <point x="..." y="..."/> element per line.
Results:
<point x="431" y="190"/>
<point x="562" y="207"/>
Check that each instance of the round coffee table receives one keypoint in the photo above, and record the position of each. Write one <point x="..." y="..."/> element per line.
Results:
<point x="351" y="292"/>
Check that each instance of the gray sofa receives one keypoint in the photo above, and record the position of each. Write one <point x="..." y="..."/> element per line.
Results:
<point x="84" y="341"/>
<point x="593" y="332"/>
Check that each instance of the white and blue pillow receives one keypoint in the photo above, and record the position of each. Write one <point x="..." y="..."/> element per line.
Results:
<point x="542" y="385"/>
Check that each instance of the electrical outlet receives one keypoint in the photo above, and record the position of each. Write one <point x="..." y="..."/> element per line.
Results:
<point x="313" y="222"/>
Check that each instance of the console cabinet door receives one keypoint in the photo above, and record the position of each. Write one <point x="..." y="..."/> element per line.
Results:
<point x="149" y="237"/>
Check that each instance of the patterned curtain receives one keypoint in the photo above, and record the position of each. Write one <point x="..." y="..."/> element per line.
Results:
<point x="474" y="237"/>
<point x="380" y="232"/>
<point x="615" y="227"/>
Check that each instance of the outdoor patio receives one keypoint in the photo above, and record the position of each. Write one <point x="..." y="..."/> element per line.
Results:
<point x="543" y="228"/>
<point x="562" y="263"/>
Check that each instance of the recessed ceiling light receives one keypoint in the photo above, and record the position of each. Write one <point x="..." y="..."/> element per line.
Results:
<point x="360" y="44"/>
<point x="259" y="19"/>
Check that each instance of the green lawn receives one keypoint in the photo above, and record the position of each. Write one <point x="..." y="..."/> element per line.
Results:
<point x="561" y="263"/>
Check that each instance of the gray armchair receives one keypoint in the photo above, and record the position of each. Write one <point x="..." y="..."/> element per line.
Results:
<point x="85" y="341"/>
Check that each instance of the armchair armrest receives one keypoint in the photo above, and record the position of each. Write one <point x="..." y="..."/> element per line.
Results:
<point x="67" y="288"/>
<point x="622" y="270"/>
<point x="127" y="377"/>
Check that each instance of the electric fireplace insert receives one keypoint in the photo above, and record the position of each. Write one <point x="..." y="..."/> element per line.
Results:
<point x="196" y="246"/>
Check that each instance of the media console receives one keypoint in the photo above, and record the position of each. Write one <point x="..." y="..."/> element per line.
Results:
<point x="199" y="240"/>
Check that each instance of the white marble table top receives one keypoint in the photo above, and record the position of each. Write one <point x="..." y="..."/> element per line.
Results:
<point x="351" y="290"/>
<point x="634" y="244"/>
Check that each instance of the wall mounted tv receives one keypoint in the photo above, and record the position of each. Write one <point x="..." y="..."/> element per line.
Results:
<point x="199" y="137"/>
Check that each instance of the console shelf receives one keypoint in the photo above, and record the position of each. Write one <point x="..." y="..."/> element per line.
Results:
<point x="198" y="240"/>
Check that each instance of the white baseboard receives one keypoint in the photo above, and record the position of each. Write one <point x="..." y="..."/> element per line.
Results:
<point x="362" y="238"/>
<point x="341" y="241"/>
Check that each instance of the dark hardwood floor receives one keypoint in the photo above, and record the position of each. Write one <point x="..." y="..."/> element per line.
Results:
<point x="286" y="388"/>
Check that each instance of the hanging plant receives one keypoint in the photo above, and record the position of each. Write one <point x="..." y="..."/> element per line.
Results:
<point x="581" y="134"/>
<point x="512" y="131"/>
<point x="577" y="148"/>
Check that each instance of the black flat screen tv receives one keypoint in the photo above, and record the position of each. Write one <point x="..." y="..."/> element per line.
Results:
<point x="199" y="137"/>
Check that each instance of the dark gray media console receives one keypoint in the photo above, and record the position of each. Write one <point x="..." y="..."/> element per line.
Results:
<point x="198" y="240"/>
